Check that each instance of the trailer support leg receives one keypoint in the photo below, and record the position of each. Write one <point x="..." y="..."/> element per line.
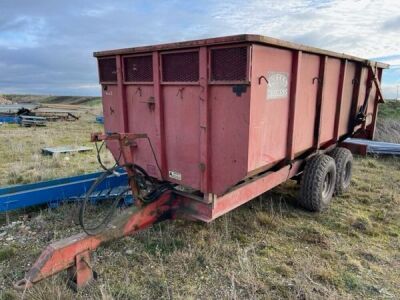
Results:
<point x="81" y="274"/>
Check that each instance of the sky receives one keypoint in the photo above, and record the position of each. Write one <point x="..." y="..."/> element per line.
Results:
<point x="46" y="46"/>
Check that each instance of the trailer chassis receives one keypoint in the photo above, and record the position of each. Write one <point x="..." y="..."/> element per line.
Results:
<point x="73" y="253"/>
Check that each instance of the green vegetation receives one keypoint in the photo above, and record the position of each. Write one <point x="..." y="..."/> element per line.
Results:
<point x="6" y="253"/>
<point x="389" y="110"/>
<point x="388" y="122"/>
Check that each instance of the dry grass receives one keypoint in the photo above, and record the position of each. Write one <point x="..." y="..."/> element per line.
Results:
<point x="268" y="248"/>
<point x="388" y="130"/>
<point x="21" y="160"/>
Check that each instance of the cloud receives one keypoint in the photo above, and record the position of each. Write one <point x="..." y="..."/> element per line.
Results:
<point x="354" y="27"/>
<point x="97" y="12"/>
<point x="392" y="90"/>
<point x="393" y="24"/>
<point x="393" y="60"/>
<point x="22" y="32"/>
<point x="46" y="46"/>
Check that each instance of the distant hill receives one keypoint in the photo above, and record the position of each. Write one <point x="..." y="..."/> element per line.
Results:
<point x="78" y="100"/>
<point x="4" y="100"/>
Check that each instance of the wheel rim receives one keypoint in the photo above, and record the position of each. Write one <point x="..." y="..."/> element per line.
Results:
<point x="347" y="173"/>
<point x="327" y="185"/>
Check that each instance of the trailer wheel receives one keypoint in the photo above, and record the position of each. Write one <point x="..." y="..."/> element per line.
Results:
<point x="344" y="169"/>
<point x="318" y="183"/>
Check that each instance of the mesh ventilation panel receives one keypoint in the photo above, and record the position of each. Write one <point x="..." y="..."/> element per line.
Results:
<point x="138" y="68"/>
<point x="108" y="69"/>
<point x="229" y="64"/>
<point x="180" y="67"/>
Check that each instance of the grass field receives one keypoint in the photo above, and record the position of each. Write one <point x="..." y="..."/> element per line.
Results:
<point x="21" y="160"/>
<point x="268" y="248"/>
<point x="389" y="110"/>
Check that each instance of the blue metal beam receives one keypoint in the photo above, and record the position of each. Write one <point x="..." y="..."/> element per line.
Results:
<point x="10" y="119"/>
<point x="375" y="147"/>
<point x="55" y="191"/>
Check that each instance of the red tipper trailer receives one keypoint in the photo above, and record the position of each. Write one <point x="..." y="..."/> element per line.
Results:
<point x="204" y="126"/>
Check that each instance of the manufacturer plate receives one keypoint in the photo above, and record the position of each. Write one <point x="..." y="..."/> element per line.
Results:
<point x="277" y="85"/>
<point x="175" y="175"/>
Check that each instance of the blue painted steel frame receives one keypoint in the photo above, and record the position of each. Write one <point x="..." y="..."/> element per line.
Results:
<point x="376" y="147"/>
<point x="55" y="191"/>
<point x="10" y="119"/>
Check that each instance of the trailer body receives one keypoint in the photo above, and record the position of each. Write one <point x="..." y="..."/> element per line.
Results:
<point x="218" y="111"/>
<point x="222" y="120"/>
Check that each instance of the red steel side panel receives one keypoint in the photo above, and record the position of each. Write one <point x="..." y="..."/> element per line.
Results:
<point x="112" y="111"/>
<point x="363" y="87"/>
<point x="138" y="99"/>
<point x="248" y="191"/>
<point x="229" y="136"/>
<point x="346" y="107"/>
<point x="159" y="115"/>
<point x="205" y="128"/>
<point x="269" y="114"/>
<point x="306" y="101"/>
<point x="182" y="133"/>
<point x="331" y="83"/>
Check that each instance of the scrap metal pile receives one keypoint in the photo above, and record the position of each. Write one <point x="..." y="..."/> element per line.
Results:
<point x="38" y="114"/>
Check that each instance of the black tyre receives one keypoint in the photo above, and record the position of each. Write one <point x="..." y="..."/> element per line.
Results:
<point x="344" y="169"/>
<point x="318" y="183"/>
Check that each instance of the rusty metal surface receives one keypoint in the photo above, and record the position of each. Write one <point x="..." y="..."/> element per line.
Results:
<point x="360" y="149"/>
<point x="237" y="196"/>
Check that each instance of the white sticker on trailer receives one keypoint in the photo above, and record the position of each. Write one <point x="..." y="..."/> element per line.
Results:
<point x="175" y="175"/>
<point x="278" y="85"/>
